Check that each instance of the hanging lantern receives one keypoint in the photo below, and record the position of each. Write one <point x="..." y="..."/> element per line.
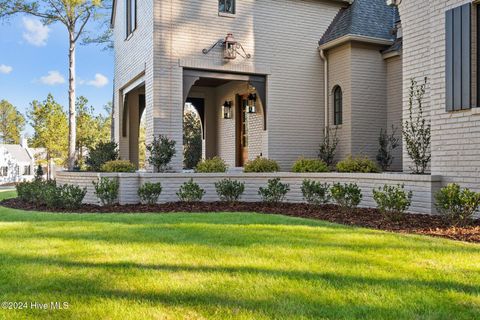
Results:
<point x="227" y="110"/>
<point x="252" y="103"/>
<point x="230" y="47"/>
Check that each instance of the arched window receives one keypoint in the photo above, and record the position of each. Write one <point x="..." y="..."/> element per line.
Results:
<point x="337" y="106"/>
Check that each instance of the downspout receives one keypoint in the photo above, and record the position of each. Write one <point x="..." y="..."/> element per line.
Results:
<point x="325" y="76"/>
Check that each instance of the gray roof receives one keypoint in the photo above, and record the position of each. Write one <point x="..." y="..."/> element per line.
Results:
<point x="18" y="152"/>
<point x="369" y="18"/>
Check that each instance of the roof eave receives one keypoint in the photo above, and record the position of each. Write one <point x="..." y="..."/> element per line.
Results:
<point x="353" y="37"/>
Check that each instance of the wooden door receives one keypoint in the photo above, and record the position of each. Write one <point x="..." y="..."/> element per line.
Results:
<point x="242" y="131"/>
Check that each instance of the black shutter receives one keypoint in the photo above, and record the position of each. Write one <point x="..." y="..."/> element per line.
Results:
<point x="458" y="58"/>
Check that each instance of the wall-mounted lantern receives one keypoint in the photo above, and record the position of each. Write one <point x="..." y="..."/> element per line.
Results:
<point x="227" y="109"/>
<point x="252" y="103"/>
<point x="231" y="48"/>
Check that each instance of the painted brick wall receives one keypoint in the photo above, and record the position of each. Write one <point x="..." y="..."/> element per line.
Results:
<point x="339" y="70"/>
<point x="423" y="187"/>
<point x="455" y="135"/>
<point x="282" y="37"/>
<point x="132" y="58"/>
<point x="369" y="99"/>
<point x="394" y="105"/>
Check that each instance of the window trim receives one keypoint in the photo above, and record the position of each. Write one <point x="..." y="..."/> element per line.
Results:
<point x="337" y="105"/>
<point x="130" y="17"/>
<point x="226" y="13"/>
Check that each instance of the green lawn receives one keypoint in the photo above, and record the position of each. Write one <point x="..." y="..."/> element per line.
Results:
<point x="229" y="266"/>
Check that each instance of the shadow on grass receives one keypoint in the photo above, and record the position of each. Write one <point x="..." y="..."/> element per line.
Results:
<point x="293" y="303"/>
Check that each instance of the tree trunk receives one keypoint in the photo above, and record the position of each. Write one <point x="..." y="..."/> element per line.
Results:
<point x="72" y="125"/>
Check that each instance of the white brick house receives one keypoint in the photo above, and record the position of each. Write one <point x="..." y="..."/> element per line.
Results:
<point x="356" y="78"/>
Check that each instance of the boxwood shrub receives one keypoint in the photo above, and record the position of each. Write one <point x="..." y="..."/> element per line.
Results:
<point x="357" y="164"/>
<point x="261" y="165"/>
<point x="310" y="165"/>
<point x="213" y="165"/>
<point x="118" y="166"/>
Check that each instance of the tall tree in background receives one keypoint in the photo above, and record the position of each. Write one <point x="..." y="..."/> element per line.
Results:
<point x="74" y="15"/>
<point x="12" y="123"/>
<point x="50" y="126"/>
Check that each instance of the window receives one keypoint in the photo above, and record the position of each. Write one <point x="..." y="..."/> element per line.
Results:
<point x="4" y="171"/>
<point x="27" y="171"/>
<point x="337" y="106"/>
<point x="458" y="58"/>
<point x="226" y="6"/>
<point x="131" y="16"/>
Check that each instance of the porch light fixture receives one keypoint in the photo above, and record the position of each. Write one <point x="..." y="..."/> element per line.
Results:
<point x="227" y="109"/>
<point x="231" y="48"/>
<point x="252" y="103"/>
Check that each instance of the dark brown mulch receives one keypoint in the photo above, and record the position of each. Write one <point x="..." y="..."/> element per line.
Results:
<point x="363" y="217"/>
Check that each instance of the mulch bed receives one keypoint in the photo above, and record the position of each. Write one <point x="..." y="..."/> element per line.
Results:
<point x="362" y="217"/>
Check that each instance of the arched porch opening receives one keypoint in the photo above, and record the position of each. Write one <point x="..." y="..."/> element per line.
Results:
<point x="232" y="111"/>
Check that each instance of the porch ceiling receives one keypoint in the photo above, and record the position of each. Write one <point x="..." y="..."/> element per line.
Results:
<point x="210" y="82"/>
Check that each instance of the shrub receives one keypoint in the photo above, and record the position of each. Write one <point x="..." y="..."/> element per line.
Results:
<point x="417" y="129"/>
<point x="229" y="190"/>
<point x="359" y="164"/>
<point x="456" y="204"/>
<point x="315" y="192"/>
<point x="107" y="190"/>
<point x="215" y="164"/>
<point x="48" y="193"/>
<point x="190" y="192"/>
<point x="392" y="201"/>
<point x="161" y="150"/>
<point x="64" y="197"/>
<point x="274" y="192"/>
<point x="387" y="144"/>
<point x="35" y="191"/>
<point x="328" y="146"/>
<point x="261" y="165"/>
<point x="102" y="153"/>
<point x="348" y="196"/>
<point x="309" y="165"/>
<point x="118" y="166"/>
<point x="149" y="192"/>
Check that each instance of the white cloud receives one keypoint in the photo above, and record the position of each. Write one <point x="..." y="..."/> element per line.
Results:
<point x="35" y="32"/>
<point x="53" y="78"/>
<point x="99" y="81"/>
<point x="5" y="69"/>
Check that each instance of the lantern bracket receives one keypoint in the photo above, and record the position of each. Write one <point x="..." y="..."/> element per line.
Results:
<point x="238" y="47"/>
<point x="207" y="50"/>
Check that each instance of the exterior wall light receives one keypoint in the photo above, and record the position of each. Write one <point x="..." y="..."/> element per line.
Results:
<point x="227" y="109"/>
<point x="252" y="103"/>
<point x="231" y="48"/>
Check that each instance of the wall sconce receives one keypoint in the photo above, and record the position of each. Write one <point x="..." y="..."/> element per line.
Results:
<point x="227" y="109"/>
<point x="231" y="48"/>
<point x="252" y="103"/>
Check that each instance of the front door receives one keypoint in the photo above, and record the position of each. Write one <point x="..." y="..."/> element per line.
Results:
<point x="242" y="131"/>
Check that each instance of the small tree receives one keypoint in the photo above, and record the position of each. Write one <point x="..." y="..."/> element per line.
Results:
<point x="417" y="129"/>
<point x="39" y="173"/>
<point x="328" y="146"/>
<point x="192" y="139"/>
<point x="161" y="151"/>
<point x="388" y="143"/>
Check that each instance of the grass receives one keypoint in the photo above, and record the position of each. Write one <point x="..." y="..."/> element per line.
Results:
<point x="229" y="266"/>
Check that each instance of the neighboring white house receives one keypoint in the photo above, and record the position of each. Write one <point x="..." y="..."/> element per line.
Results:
<point x="18" y="162"/>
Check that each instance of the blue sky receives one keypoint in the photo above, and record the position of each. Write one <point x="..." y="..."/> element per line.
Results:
<point x="34" y="63"/>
